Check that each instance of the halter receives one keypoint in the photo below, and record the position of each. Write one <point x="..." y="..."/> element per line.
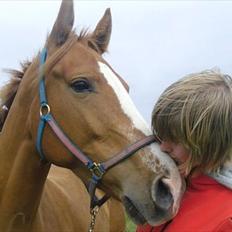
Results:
<point x="97" y="169"/>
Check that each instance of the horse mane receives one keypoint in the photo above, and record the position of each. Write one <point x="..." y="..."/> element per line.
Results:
<point x="9" y="90"/>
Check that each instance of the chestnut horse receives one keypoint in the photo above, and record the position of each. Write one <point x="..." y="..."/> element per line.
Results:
<point x="71" y="108"/>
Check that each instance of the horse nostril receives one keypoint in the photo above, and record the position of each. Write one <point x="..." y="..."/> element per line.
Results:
<point x="161" y="194"/>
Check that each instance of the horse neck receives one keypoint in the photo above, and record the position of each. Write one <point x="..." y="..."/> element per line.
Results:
<point x="22" y="175"/>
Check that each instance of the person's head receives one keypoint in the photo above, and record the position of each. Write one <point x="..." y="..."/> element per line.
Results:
<point x="196" y="112"/>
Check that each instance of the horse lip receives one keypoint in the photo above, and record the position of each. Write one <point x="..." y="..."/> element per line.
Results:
<point x="133" y="212"/>
<point x="159" y="217"/>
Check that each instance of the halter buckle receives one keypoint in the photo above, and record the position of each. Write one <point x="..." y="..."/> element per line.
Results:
<point x="97" y="170"/>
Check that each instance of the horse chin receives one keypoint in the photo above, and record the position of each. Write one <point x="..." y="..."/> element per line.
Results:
<point x="159" y="217"/>
<point x="133" y="212"/>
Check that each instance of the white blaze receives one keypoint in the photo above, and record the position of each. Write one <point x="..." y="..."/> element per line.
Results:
<point x="124" y="99"/>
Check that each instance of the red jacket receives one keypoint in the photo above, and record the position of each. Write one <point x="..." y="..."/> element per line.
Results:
<point x="206" y="207"/>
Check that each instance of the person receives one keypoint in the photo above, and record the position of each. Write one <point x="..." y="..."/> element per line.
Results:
<point x="193" y="121"/>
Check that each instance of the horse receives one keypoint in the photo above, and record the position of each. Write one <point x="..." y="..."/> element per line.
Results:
<point x="67" y="122"/>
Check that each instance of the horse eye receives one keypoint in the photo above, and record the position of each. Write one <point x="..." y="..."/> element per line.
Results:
<point x="81" y="86"/>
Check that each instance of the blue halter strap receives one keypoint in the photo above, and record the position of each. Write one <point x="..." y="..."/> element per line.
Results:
<point x="43" y="104"/>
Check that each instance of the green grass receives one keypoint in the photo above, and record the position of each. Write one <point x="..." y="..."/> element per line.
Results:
<point x="130" y="226"/>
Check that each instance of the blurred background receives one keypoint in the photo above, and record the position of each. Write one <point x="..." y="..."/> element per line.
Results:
<point x="153" y="43"/>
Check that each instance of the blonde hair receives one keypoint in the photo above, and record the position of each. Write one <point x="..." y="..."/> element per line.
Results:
<point x="196" y="111"/>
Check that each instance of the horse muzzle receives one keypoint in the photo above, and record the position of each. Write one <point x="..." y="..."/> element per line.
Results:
<point x="160" y="205"/>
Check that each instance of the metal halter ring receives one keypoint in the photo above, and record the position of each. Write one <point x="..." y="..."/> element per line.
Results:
<point x="44" y="110"/>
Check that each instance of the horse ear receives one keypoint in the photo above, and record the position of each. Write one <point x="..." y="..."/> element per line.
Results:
<point x="63" y="24"/>
<point x="102" y="32"/>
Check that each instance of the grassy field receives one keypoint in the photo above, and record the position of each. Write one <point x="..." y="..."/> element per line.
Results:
<point x="130" y="226"/>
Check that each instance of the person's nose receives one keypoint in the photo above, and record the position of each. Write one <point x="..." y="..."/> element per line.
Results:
<point x="165" y="146"/>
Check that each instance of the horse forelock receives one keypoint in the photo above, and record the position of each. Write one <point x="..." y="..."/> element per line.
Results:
<point x="85" y="37"/>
